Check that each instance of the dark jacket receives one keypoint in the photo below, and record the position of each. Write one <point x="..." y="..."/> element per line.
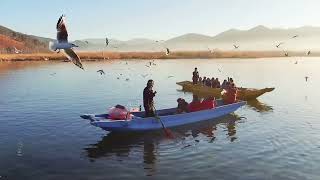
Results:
<point x="148" y="95"/>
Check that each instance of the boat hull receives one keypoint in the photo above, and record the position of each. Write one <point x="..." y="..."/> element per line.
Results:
<point x="148" y="124"/>
<point x="203" y="91"/>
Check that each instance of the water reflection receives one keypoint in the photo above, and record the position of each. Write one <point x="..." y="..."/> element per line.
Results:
<point x="123" y="145"/>
<point x="258" y="106"/>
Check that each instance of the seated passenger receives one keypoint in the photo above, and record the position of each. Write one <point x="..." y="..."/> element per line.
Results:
<point x="208" y="82"/>
<point x="204" y="80"/>
<point x="224" y="84"/>
<point x="200" y="80"/>
<point x="182" y="106"/>
<point x="195" y="105"/>
<point x="217" y="83"/>
<point x="208" y="103"/>
<point x="214" y="83"/>
<point x="231" y="95"/>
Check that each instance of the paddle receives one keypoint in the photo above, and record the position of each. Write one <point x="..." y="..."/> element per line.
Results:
<point x="167" y="132"/>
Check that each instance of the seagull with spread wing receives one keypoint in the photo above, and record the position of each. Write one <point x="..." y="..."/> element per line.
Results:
<point x="167" y="51"/>
<point x="101" y="72"/>
<point x="278" y="45"/>
<point x="62" y="43"/>
<point x="308" y="53"/>
<point x="107" y="41"/>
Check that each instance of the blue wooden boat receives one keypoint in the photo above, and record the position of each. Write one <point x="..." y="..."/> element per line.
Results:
<point x="168" y="117"/>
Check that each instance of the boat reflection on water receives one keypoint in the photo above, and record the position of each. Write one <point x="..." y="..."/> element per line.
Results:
<point x="121" y="145"/>
<point x="258" y="106"/>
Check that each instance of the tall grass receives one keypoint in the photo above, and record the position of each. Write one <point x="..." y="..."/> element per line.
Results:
<point x="150" y="55"/>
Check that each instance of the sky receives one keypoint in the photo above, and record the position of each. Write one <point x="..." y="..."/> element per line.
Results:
<point x="154" y="19"/>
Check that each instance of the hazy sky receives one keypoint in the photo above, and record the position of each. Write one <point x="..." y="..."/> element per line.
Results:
<point x="156" y="19"/>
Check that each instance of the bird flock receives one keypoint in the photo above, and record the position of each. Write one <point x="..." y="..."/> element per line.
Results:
<point x="62" y="44"/>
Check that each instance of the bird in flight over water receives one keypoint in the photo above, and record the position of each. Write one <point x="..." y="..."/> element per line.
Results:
<point x="62" y="38"/>
<point x="278" y="45"/>
<point x="107" y="41"/>
<point x="308" y="53"/>
<point x="101" y="72"/>
<point x="167" y="51"/>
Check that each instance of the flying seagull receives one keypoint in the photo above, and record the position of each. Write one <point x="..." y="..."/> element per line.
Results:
<point x="167" y="51"/>
<point x="308" y="53"/>
<point x="62" y="38"/>
<point x="17" y="51"/>
<point x="101" y="72"/>
<point x="278" y="45"/>
<point x="235" y="46"/>
<point x="107" y="41"/>
<point x="295" y="36"/>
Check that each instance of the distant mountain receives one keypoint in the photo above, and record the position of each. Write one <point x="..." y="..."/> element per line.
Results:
<point x="256" y="38"/>
<point x="189" y="38"/>
<point x="263" y="38"/>
<point x="9" y="40"/>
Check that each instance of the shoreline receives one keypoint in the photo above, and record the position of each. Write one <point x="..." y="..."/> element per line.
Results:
<point x="107" y="55"/>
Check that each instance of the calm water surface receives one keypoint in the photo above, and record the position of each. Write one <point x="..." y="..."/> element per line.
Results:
<point x="42" y="136"/>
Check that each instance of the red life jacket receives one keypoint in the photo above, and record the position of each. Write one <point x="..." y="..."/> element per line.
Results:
<point x="194" y="106"/>
<point x="207" y="104"/>
<point x="231" y="96"/>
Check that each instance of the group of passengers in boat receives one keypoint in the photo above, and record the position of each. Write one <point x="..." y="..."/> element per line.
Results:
<point x="211" y="82"/>
<point x="229" y="97"/>
<point x="196" y="105"/>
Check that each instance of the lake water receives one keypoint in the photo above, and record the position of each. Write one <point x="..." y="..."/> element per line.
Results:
<point x="43" y="137"/>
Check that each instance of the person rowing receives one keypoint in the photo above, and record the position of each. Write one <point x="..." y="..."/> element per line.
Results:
<point x="148" y="95"/>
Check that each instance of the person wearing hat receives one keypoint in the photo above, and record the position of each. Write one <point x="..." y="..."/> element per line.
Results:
<point x="148" y="102"/>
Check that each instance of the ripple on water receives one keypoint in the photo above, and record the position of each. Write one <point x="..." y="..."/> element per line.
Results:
<point x="42" y="136"/>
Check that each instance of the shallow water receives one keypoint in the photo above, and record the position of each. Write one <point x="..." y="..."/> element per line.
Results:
<point x="43" y="137"/>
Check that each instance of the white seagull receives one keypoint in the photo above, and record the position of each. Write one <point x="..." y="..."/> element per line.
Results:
<point x="62" y="38"/>
<point x="17" y="51"/>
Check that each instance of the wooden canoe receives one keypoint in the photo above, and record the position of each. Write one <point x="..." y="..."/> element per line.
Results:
<point x="243" y="93"/>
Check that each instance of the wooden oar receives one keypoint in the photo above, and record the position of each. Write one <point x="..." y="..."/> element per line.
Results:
<point x="167" y="131"/>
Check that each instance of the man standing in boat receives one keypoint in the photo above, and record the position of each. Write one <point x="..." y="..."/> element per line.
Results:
<point x="195" y="76"/>
<point x="148" y="102"/>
